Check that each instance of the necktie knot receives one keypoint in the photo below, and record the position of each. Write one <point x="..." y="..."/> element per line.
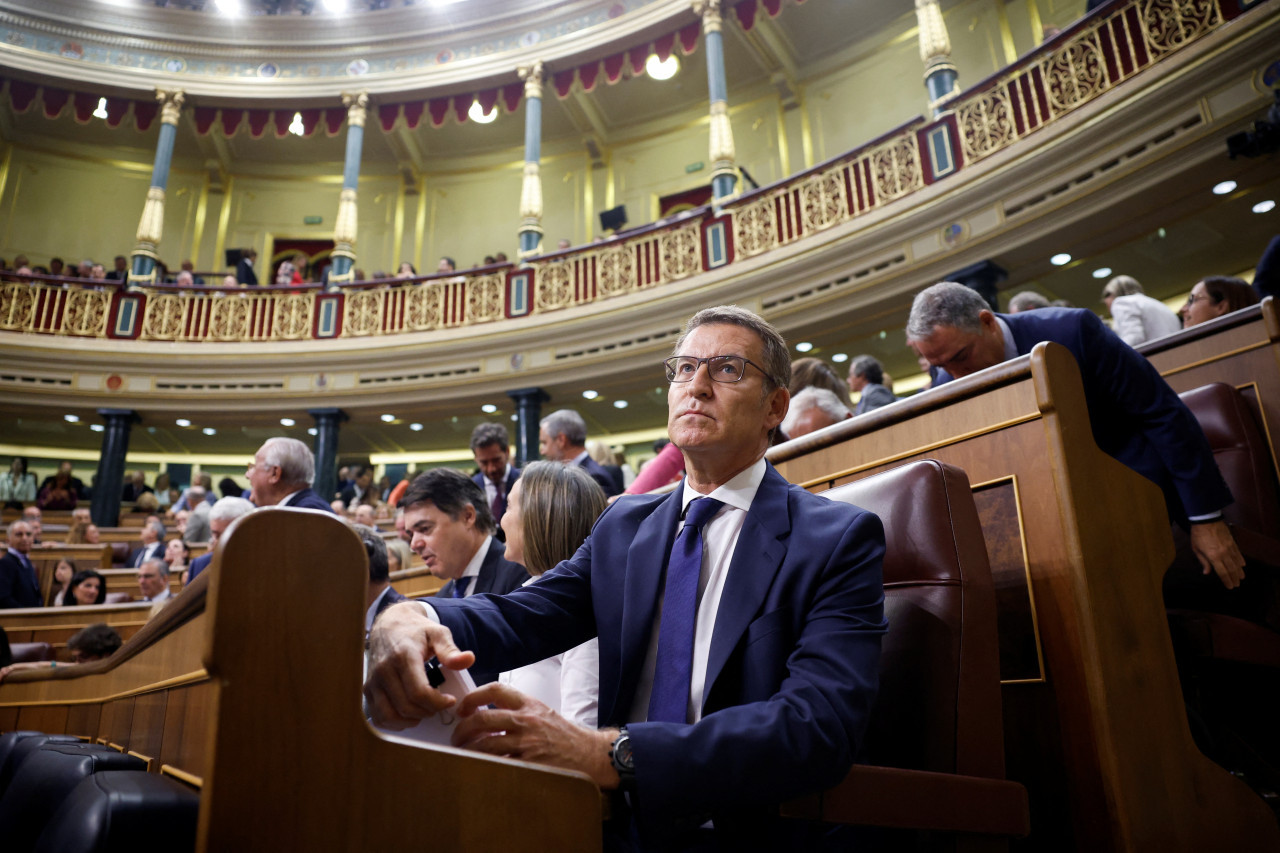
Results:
<point x="700" y="511"/>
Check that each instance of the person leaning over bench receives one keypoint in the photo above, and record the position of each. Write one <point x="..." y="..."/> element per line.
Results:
<point x="1136" y="417"/>
<point x="735" y="674"/>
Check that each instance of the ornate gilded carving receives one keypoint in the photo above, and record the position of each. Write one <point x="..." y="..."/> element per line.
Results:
<point x="1169" y="24"/>
<point x="229" y="318"/>
<point x="364" y="312"/>
<point x="555" y="285"/>
<point x="17" y="305"/>
<point x="422" y="309"/>
<point x="344" y="229"/>
<point x="292" y="319"/>
<point x="895" y="168"/>
<point x="85" y="312"/>
<point x="531" y="194"/>
<point x="532" y="77"/>
<point x="709" y="11"/>
<point x="934" y="40"/>
<point x="485" y="296"/>
<point x="357" y="108"/>
<point x="616" y="271"/>
<point x="822" y="200"/>
<point x="151" y="225"/>
<point x="170" y="105"/>
<point x="1075" y="74"/>
<point x="680" y="252"/>
<point x="986" y="123"/>
<point x="721" y="148"/>
<point x="754" y="227"/>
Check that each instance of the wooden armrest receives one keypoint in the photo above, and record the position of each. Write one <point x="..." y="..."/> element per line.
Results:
<point x="919" y="799"/>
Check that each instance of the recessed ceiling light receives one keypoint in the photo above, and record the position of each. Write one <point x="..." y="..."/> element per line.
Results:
<point x="514" y="416"/>
<point x="840" y="357"/>
<point x="478" y="115"/>
<point x="183" y="422"/>
<point x="1102" y="272"/>
<point x="386" y="419"/>
<point x="287" y="422"/>
<point x="228" y="7"/>
<point x="209" y="431"/>
<point x="1224" y="187"/>
<point x="71" y="419"/>
<point x="335" y="6"/>
<point x="296" y="127"/>
<point x="488" y="408"/>
<point x="1264" y="206"/>
<point x="590" y="395"/>
<point x="312" y="431"/>
<point x="1061" y="259"/>
<point x="659" y="69"/>
<point x="804" y="346"/>
<point x="101" y="111"/>
<point x="97" y="427"/>
<point x="619" y="404"/>
<point x="416" y="427"/>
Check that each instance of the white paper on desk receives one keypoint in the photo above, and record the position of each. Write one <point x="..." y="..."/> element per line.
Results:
<point x="438" y="728"/>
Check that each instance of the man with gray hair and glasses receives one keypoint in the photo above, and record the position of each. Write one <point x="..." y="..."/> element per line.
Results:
<point x="562" y="437"/>
<point x="281" y="474"/>
<point x="1136" y="417"/>
<point x="223" y="513"/>
<point x="739" y="620"/>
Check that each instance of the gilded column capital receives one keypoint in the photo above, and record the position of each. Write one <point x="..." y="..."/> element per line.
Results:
<point x="721" y="148"/>
<point x="532" y="77"/>
<point x="709" y="11"/>
<point x="357" y="108"/>
<point x="934" y="41"/>
<point x="170" y="105"/>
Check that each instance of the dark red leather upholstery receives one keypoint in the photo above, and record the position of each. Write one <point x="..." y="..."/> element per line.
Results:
<point x="27" y="652"/>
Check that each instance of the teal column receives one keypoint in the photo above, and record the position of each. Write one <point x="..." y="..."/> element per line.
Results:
<point x="531" y="188"/>
<point x="344" y="230"/>
<point x="940" y="73"/>
<point x="151" y="226"/>
<point x="724" y="174"/>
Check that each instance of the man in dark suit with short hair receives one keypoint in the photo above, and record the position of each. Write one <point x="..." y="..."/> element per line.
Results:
<point x="281" y="475"/>
<point x="562" y="437"/>
<point x="18" y="584"/>
<point x="381" y="593"/>
<point x="452" y="531"/>
<point x="492" y="450"/>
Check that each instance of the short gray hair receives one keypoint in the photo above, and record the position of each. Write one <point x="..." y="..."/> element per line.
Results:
<point x="568" y="423"/>
<point x="1027" y="300"/>
<point x="227" y="509"/>
<point x="777" y="361"/>
<point x="868" y="368"/>
<point x="946" y="303"/>
<point x="294" y="459"/>
<point x="814" y="397"/>
<point x="161" y="566"/>
<point x="1121" y="285"/>
<point x="158" y="528"/>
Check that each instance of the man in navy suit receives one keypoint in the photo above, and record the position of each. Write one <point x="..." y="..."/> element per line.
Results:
<point x="225" y="511"/>
<point x="152" y="536"/>
<point x="18" y="584"/>
<point x="766" y="635"/>
<point x="381" y="593"/>
<point x="492" y="450"/>
<point x="1135" y="415"/>
<point x="281" y="474"/>
<point x="562" y="437"/>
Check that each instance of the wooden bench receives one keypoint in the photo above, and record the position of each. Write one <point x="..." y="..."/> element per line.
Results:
<point x="54" y="625"/>
<point x="416" y="582"/>
<point x="1093" y="714"/>
<point x="45" y="560"/>
<point x="258" y="704"/>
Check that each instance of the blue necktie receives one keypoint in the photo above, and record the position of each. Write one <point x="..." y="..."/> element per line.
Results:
<point x="460" y="587"/>
<point x="669" y="702"/>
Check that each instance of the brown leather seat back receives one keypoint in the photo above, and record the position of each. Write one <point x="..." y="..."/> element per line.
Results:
<point x="120" y="553"/>
<point x="27" y="652"/>
<point x="939" y="702"/>
<point x="1231" y="423"/>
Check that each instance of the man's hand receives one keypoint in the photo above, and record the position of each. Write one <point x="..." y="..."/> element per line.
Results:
<point x="401" y="642"/>
<point x="519" y="726"/>
<point x="1216" y="550"/>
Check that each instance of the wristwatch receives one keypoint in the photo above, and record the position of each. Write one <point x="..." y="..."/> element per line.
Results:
<point x="623" y="761"/>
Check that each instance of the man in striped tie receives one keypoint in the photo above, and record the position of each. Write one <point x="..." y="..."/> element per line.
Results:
<point x="739" y="620"/>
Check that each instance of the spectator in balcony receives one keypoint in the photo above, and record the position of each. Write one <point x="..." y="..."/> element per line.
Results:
<point x="185" y="279"/>
<point x="85" y="269"/>
<point x="563" y="244"/>
<point x="285" y="273"/>
<point x="446" y="265"/>
<point x="58" y="493"/>
<point x="18" y="485"/>
<point x="86" y="587"/>
<point x="244" y="268"/>
<point x="135" y="487"/>
<point x="1138" y="317"/>
<point x="190" y="268"/>
<point x="1215" y="296"/>
<point x="98" y="272"/>
<point x="57" y="266"/>
<point x="1027" y="300"/>
<point x="230" y="281"/>
<point x="406" y="270"/>
<point x="121" y="271"/>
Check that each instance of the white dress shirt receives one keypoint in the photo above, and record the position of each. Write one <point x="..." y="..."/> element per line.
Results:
<point x="473" y="568"/>
<point x="719" y="541"/>
<point x="491" y="489"/>
<point x="568" y="682"/>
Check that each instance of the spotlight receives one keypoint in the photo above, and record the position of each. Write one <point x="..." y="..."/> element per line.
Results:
<point x="209" y="431"/>
<point x="620" y="404"/>
<point x="488" y="408"/>
<point x="659" y="69"/>
<point x="478" y="115"/>
<point x="183" y="422"/>
<point x="840" y="357"/>
<point x="1264" y="206"/>
<point x="1224" y="187"/>
<point x="804" y="346"/>
<point x="97" y="427"/>
<point x="1060" y="260"/>
<point x="287" y="422"/>
<point x="590" y="395"/>
<point x="1102" y="272"/>
<point x="386" y="419"/>
<point x="71" y="419"/>
<point x="416" y="427"/>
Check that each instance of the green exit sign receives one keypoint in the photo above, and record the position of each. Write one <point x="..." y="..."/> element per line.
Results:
<point x="312" y="220"/>
<point x="694" y="167"/>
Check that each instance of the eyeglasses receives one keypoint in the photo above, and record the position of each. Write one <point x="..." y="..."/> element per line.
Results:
<point x="721" y="368"/>
<point x="1193" y="299"/>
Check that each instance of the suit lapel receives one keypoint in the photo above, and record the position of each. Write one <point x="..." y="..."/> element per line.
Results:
<point x="488" y="568"/>
<point x="756" y="559"/>
<point x="646" y="564"/>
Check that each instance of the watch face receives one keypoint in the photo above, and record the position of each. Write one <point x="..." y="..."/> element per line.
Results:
<point x="622" y="753"/>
